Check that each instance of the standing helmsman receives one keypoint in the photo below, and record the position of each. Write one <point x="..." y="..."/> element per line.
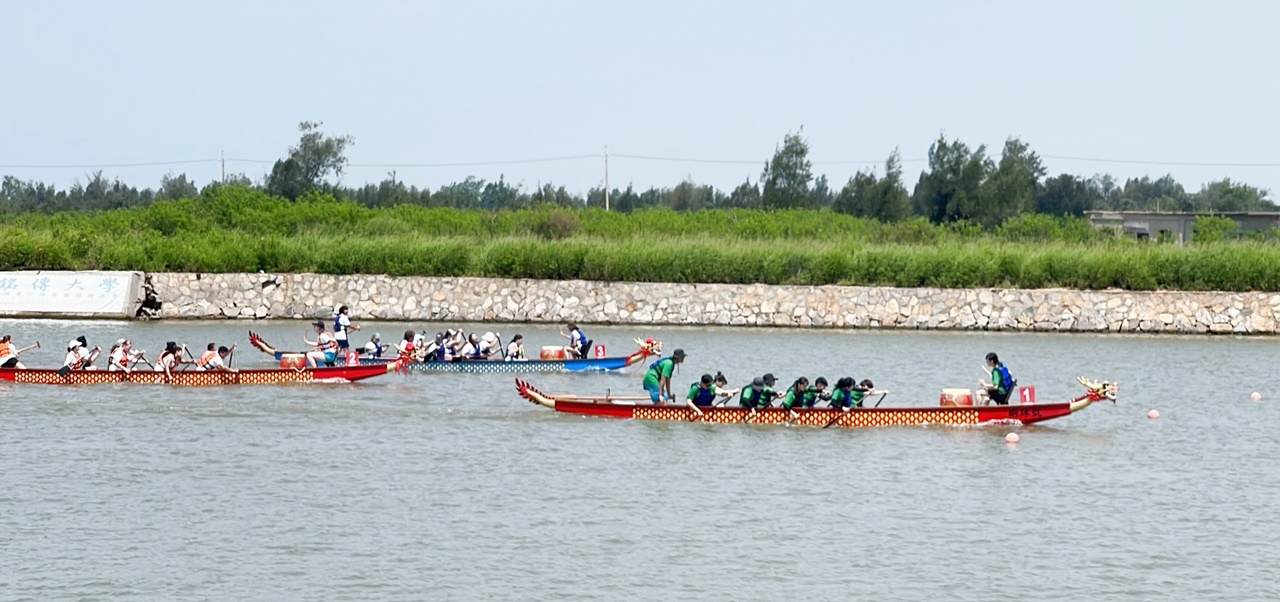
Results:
<point x="657" y="380"/>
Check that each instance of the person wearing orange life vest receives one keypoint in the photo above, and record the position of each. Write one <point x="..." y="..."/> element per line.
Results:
<point x="78" y="356"/>
<point x="215" y="359"/>
<point x="170" y="359"/>
<point x="122" y="356"/>
<point x="326" y="347"/>
<point x="9" y="353"/>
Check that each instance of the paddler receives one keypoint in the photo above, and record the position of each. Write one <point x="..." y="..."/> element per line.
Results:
<point x="374" y="347"/>
<point x="1002" y="382"/>
<point x="657" y="380"/>
<point x="702" y="394"/>
<point x="797" y="394"/>
<point x="218" y="363"/>
<point x="818" y="392"/>
<point x="326" y="347"/>
<point x="406" y="347"/>
<point x="122" y="356"/>
<point x="169" y="360"/>
<point x="577" y="341"/>
<point x="515" y="349"/>
<point x="83" y="356"/>
<point x="9" y="353"/>
<point x="755" y="396"/>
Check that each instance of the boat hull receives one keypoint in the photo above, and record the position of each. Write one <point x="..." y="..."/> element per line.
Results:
<point x="193" y="378"/>
<point x="526" y="367"/>
<point x="819" y="417"/>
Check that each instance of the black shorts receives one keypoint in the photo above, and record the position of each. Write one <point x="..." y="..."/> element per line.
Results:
<point x="344" y="344"/>
<point x="10" y="363"/>
<point x="998" y="398"/>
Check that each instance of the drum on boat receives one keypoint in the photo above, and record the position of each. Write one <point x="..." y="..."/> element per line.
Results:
<point x="956" y="397"/>
<point x="552" y="352"/>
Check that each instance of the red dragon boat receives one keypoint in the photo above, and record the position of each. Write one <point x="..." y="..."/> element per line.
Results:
<point x="194" y="378"/>
<point x="640" y="409"/>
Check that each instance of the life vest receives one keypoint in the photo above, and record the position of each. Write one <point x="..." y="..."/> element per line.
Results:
<point x="7" y="350"/>
<point x="655" y="367"/>
<point x="329" y="344"/>
<point x="704" y="397"/>
<point x="205" y="359"/>
<point x="1006" y="379"/>
<point x="76" y="363"/>
<point x="337" y="323"/>
<point x="750" y="397"/>
<point x="578" y="340"/>
<point x="166" y="359"/>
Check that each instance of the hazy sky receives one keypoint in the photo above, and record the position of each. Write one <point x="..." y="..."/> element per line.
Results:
<point x="99" y="83"/>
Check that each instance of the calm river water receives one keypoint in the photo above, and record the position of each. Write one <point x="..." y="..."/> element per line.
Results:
<point x="452" y="487"/>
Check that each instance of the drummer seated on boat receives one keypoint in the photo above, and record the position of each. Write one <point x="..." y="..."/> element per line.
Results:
<point x="577" y="341"/>
<point x="1002" y="383"/>
<point x="515" y="349"/>
<point x="326" y="347"/>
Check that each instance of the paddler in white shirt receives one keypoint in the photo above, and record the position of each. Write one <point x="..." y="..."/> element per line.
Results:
<point x="515" y="349"/>
<point x="122" y="357"/>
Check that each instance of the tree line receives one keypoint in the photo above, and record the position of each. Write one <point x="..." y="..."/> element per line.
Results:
<point x="959" y="184"/>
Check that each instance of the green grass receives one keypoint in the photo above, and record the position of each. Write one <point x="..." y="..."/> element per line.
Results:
<point x="244" y="230"/>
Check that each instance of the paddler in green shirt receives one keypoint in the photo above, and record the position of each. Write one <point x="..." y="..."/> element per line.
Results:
<point x="796" y="394"/>
<point x="759" y="394"/>
<point x="657" y="380"/>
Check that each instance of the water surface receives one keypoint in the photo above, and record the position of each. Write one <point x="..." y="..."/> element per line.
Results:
<point x="452" y="487"/>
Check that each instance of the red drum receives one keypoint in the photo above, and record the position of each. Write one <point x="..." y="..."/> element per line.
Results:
<point x="956" y="397"/>
<point x="293" y="361"/>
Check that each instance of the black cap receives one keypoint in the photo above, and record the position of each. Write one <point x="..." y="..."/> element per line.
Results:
<point x="678" y="354"/>
<point x="769" y="379"/>
<point x="318" y="324"/>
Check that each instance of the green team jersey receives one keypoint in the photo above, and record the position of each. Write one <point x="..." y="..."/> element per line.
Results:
<point x="997" y="379"/>
<point x="694" y="389"/>
<point x="660" y="369"/>
<point x="811" y="396"/>
<point x="752" y="398"/>
<point x="791" y="399"/>
<point x="841" y="398"/>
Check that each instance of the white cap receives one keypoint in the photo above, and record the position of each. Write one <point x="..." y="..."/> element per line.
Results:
<point x="73" y="344"/>
<point x="120" y="342"/>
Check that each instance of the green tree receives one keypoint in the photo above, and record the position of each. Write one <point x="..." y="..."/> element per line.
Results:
<point x="316" y="157"/>
<point x="745" y="196"/>
<point x="1067" y="195"/>
<point x="951" y="189"/>
<point x="1011" y="189"/>
<point x="884" y="199"/>
<point x="500" y="195"/>
<point x="176" y="187"/>
<point x="1225" y="195"/>
<point x="787" y="175"/>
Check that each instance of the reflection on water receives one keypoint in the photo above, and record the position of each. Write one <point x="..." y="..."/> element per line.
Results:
<point x="451" y="486"/>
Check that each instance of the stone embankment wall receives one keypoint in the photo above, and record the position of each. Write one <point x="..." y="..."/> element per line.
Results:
<point x="250" y="296"/>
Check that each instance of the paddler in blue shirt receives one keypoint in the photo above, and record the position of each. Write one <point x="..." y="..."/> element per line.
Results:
<point x="657" y="380"/>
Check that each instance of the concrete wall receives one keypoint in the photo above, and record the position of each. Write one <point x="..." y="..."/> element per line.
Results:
<point x="250" y="296"/>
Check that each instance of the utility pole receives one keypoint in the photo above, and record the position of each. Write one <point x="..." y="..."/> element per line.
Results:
<point x="606" y="177"/>
<point x="222" y="157"/>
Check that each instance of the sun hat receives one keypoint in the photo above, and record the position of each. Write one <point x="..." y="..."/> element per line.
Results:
<point x="757" y="383"/>
<point x="678" y="354"/>
<point x="769" y="379"/>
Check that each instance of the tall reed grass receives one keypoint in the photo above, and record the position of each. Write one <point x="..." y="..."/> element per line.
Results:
<point x="244" y="230"/>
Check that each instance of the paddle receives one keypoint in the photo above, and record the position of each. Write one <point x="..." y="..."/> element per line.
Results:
<point x="27" y="348"/>
<point x="231" y="357"/>
<point x="186" y="355"/>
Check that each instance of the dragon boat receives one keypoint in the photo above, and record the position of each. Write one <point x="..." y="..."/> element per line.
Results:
<point x="495" y="366"/>
<point x="639" y="408"/>
<point x="194" y="378"/>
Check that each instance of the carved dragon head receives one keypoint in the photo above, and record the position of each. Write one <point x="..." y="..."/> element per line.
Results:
<point x="649" y="346"/>
<point x="1099" y="391"/>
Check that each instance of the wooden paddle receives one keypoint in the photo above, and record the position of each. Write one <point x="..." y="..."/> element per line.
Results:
<point x="27" y="348"/>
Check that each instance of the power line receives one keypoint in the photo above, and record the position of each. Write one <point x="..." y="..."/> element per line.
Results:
<point x="107" y="165"/>
<point x="481" y="163"/>
<point x="1170" y="163"/>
